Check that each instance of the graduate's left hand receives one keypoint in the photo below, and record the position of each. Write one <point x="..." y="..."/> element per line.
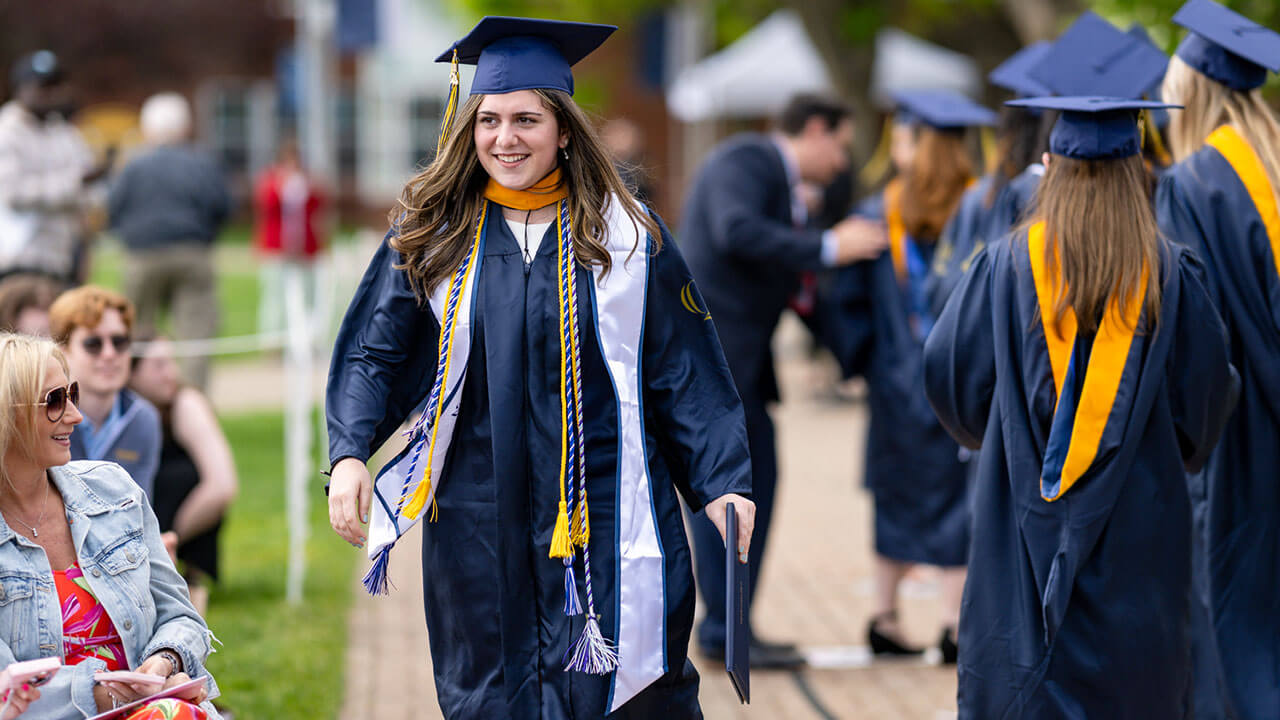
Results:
<point x="746" y="512"/>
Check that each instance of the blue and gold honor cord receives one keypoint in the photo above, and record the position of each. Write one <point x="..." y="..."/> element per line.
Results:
<point x="591" y="653"/>
<point x="413" y="498"/>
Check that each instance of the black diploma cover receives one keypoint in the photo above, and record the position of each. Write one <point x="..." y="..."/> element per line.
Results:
<point x="737" y="642"/>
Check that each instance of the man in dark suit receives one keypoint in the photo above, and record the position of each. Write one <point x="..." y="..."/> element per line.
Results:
<point x="747" y="238"/>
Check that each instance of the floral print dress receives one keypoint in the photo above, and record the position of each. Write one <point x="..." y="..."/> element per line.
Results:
<point x="88" y="633"/>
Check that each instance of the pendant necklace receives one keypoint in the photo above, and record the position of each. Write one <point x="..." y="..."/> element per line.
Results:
<point x="528" y="259"/>
<point x="43" y="507"/>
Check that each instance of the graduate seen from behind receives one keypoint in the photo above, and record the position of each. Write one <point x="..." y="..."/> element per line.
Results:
<point x="571" y="398"/>
<point x="877" y="318"/>
<point x="1221" y="200"/>
<point x="1085" y="356"/>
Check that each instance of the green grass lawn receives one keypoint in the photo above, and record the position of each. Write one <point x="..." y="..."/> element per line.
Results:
<point x="277" y="661"/>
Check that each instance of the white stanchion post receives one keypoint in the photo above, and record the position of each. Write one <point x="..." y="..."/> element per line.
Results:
<point x="297" y="427"/>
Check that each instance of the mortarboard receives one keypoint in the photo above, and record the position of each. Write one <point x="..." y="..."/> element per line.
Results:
<point x="1014" y="73"/>
<point x="1093" y="127"/>
<point x="513" y="54"/>
<point x="1227" y="47"/>
<point x="941" y="109"/>
<point x="1094" y="57"/>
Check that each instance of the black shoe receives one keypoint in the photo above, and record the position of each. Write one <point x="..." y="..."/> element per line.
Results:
<point x="947" y="646"/>
<point x="882" y="644"/>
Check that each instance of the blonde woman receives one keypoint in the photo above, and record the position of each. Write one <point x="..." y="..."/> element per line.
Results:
<point x="84" y="573"/>
<point x="1084" y="356"/>
<point x="571" y="383"/>
<point x="1221" y="199"/>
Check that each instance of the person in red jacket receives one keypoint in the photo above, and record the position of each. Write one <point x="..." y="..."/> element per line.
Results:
<point x="291" y="234"/>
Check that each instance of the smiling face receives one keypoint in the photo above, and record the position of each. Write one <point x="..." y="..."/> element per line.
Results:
<point x="52" y="440"/>
<point x="107" y="371"/>
<point x="517" y="138"/>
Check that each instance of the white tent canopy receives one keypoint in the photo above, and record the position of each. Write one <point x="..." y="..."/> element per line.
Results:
<point x="905" y="62"/>
<point x="754" y="76"/>
<point x="759" y="72"/>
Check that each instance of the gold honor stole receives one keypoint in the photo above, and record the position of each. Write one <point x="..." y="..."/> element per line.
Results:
<point x="1244" y="161"/>
<point x="1078" y="422"/>
<point x="898" y="230"/>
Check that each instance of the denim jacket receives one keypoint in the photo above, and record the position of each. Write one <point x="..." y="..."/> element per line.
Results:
<point x="118" y="546"/>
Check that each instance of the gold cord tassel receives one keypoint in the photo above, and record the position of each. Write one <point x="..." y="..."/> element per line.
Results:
<point x="581" y="525"/>
<point x="561" y="547"/>
<point x="451" y="106"/>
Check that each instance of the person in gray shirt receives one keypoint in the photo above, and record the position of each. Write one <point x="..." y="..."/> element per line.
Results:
<point x="167" y="205"/>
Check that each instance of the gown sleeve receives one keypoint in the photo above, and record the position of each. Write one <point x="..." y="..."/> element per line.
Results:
<point x="1204" y="386"/>
<point x="959" y="357"/>
<point x="383" y="360"/>
<point x="692" y="405"/>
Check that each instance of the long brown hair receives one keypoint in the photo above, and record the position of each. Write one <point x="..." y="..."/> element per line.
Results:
<point x="1209" y="105"/>
<point x="433" y="223"/>
<point x="940" y="172"/>
<point x="1100" y="233"/>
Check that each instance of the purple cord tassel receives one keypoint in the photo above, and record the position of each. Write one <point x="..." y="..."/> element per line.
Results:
<point x="376" y="581"/>
<point x="572" y="605"/>
<point x="593" y="654"/>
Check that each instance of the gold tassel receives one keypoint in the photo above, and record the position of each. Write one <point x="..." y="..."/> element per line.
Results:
<point x="990" y="149"/>
<point x="418" y="499"/>
<point x="561" y="547"/>
<point x="581" y="525"/>
<point x="1151" y="132"/>
<point x="878" y="166"/>
<point x="451" y="106"/>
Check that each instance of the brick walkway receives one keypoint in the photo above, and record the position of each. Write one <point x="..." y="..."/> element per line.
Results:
<point x="816" y="591"/>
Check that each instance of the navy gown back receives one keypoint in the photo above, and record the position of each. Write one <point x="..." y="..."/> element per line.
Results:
<point x="1077" y="608"/>
<point x="1205" y="203"/>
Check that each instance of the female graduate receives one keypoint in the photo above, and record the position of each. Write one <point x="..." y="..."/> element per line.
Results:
<point x="989" y="210"/>
<point x="880" y="319"/>
<point x="1086" y="358"/>
<point x="570" y="390"/>
<point x="1221" y="199"/>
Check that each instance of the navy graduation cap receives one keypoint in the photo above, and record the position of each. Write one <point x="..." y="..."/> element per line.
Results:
<point x="1014" y="74"/>
<point x="512" y="53"/>
<point x="1094" y="57"/>
<point x="1093" y="127"/>
<point x="941" y="109"/>
<point x="1226" y="46"/>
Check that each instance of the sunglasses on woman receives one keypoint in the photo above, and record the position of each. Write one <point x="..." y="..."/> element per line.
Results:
<point x="94" y="344"/>
<point x="55" y="401"/>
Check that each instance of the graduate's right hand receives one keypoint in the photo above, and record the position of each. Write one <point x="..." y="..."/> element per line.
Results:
<point x="858" y="238"/>
<point x="350" y="489"/>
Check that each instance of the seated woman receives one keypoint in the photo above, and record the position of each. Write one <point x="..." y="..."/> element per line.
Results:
<point x="83" y="531"/>
<point x="196" y="480"/>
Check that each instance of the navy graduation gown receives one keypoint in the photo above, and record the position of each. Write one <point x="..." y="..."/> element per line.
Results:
<point x="1203" y="203"/>
<point x="1077" y="608"/>
<point x="974" y="225"/>
<point x="913" y="467"/>
<point x="493" y="598"/>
